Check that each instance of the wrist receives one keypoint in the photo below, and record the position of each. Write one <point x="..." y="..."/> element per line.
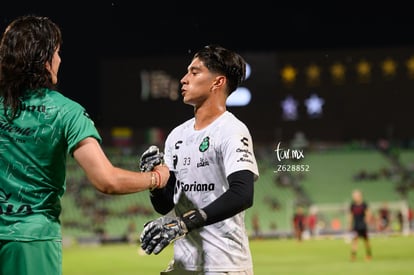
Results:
<point x="159" y="178"/>
<point x="153" y="181"/>
<point x="194" y="219"/>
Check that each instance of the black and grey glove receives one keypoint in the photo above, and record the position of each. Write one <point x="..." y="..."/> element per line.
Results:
<point x="159" y="233"/>
<point x="151" y="158"/>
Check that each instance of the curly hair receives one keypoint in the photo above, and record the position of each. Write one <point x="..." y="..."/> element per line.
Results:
<point x="27" y="45"/>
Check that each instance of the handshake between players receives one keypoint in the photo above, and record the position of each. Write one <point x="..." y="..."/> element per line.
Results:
<point x="159" y="233"/>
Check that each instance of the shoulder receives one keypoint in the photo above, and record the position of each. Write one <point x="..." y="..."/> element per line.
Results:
<point x="231" y="129"/>
<point x="63" y="103"/>
<point x="230" y="123"/>
<point x="64" y="100"/>
<point x="181" y="128"/>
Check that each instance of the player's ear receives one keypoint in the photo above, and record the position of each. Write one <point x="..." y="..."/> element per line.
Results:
<point x="219" y="81"/>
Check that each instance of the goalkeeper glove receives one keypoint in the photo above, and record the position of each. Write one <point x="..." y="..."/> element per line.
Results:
<point x="159" y="233"/>
<point x="150" y="158"/>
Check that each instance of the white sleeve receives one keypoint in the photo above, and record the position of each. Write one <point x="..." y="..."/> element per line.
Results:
<point x="238" y="154"/>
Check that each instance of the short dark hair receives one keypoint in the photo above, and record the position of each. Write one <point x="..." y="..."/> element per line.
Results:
<point x="221" y="60"/>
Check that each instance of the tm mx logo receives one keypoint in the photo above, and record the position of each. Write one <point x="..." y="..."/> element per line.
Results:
<point x="282" y="154"/>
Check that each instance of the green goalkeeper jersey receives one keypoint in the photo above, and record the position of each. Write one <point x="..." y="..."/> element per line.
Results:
<point x="33" y="152"/>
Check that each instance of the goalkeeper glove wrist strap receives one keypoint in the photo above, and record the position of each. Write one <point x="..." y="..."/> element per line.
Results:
<point x="193" y="219"/>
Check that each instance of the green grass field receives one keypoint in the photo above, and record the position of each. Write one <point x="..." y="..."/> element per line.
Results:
<point x="392" y="255"/>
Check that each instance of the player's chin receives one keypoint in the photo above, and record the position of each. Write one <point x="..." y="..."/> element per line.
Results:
<point x="187" y="100"/>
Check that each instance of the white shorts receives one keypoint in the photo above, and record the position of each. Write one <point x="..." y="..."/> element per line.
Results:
<point x="186" y="272"/>
<point x="173" y="271"/>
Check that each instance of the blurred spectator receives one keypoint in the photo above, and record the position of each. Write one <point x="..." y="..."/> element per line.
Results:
<point x="384" y="218"/>
<point x="400" y="218"/>
<point x="256" y="225"/>
<point x="312" y="221"/>
<point x="131" y="233"/>
<point x="299" y="220"/>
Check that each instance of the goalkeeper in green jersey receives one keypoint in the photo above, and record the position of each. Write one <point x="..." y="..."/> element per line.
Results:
<point x="39" y="128"/>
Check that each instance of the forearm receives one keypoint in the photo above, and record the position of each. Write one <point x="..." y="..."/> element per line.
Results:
<point x="162" y="199"/>
<point x="121" y="181"/>
<point x="109" y="179"/>
<point x="236" y="199"/>
<point x="350" y="221"/>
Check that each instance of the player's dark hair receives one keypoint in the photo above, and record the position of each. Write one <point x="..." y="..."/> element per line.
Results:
<point x="27" y="44"/>
<point x="223" y="61"/>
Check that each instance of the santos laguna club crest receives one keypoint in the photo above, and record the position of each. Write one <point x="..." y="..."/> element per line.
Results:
<point x="204" y="144"/>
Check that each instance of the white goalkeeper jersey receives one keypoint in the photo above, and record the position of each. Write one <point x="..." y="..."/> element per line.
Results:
<point x="202" y="160"/>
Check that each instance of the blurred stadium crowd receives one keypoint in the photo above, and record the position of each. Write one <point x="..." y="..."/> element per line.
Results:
<point x="385" y="174"/>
